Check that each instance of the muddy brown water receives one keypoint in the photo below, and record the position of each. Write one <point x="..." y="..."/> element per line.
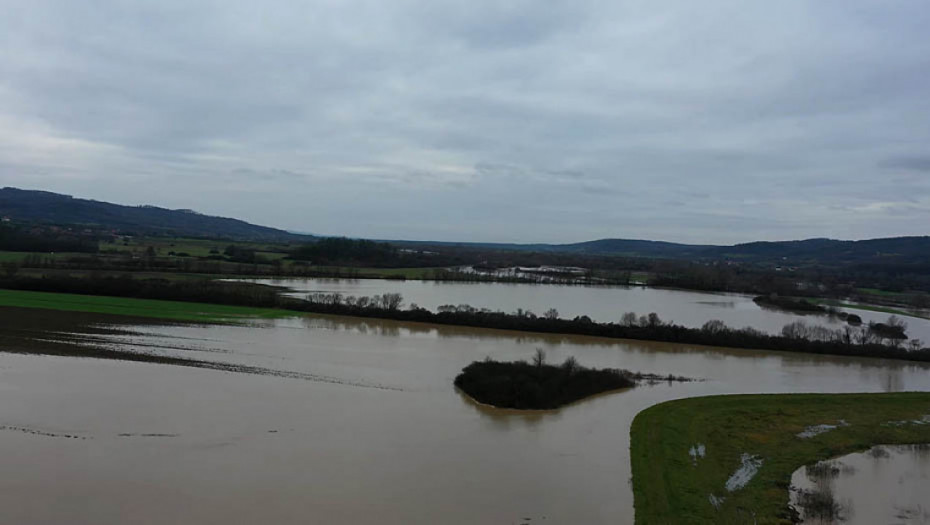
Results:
<point x="885" y="484"/>
<point x="367" y="428"/>
<point x="601" y="303"/>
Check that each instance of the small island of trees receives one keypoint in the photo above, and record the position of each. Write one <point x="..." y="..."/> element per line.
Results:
<point x="537" y="385"/>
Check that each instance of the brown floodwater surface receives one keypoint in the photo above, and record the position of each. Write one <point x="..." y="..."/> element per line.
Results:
<point x="365" y="425"/>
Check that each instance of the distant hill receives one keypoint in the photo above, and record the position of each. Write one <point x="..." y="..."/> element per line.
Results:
<point x="55" y="208"/>
<point x="888" y="252"/>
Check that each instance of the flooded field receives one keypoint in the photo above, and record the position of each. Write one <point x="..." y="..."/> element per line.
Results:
<point x="885" y="484"/>
<point x="600" y="303"/>
<point x="337" y="420"/>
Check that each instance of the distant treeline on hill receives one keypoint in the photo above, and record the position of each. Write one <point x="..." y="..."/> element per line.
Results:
<point x="866" y="341"/>
<point x="342" y="251"/>
<point x="336" y="251"/>
<point x="23" y="239"/>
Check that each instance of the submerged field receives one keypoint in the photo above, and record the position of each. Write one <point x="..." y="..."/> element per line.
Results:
<point x="301" y="419"/>
<point x="729" y="459"/>
<point x="169" y="310"/>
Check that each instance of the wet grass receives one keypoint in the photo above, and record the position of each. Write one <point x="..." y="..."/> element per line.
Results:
<point x="406" y="273"/>
<point x="168" y="276"/>
<point x="170" y="310"/>
<point x="18" y="257"/>
<point x="670" y="487"/>
<point x="870" y="307"/>
<point x="190" y="246"/>
<point x="883" y="293"/>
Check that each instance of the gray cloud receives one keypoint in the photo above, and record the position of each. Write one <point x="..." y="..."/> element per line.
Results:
<point x="480" y="120"/>
<point x="916" y="163"/>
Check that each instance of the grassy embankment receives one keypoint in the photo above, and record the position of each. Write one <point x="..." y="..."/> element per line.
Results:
<point x="670" y="487"/>
<point x="171" y="310"/>
<point x="870" y="307"/>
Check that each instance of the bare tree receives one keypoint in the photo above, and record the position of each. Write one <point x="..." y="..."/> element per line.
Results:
<point x="714" y="326"/>
<point x="896" y="323"/>
<point x="570" y="365"/>
<point x="653" y="320"/>
<point x="551" y="314"/>
<point x="628" y="319"/>
<point x="796" y="330"/>
<point x="391" y="301"/>
<point x="539" y="358"/>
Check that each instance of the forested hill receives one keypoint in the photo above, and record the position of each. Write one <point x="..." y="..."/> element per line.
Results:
<point x="55" y="208"/>
<point x="891" y="253"/>
<point x="849" y="251"/>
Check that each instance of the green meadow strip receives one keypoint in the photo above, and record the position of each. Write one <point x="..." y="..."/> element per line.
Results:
<point x="171" y="310"/>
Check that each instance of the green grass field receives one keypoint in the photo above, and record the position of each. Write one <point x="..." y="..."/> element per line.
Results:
<point x="172" y="310"/>
<point x="670" y="487"/>
<point x="20" y="256"/>
<point x="407" y="273"/>
<point x="193" y="247"/>
<point x="883" y="293"/>
<point x="868" y="307"/>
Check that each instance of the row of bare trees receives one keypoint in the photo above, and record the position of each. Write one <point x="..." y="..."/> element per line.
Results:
<point x="387" y="301"/>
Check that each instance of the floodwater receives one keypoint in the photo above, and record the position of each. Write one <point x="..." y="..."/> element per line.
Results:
<point x="367" y="428"/>
<point x="600" y="303"/>
<point x="885" y="484"/>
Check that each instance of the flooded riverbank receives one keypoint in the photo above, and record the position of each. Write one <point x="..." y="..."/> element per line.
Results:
<point x="382" y="438"/>
<point x="600" y="303"/>
<point x="885" y="484"/>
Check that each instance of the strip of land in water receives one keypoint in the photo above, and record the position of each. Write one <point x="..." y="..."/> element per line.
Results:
<point x="521" y="385"/>
<point x="729" y="459"/>
<point x="158" y="309"/>
<point x="268" y="301"/>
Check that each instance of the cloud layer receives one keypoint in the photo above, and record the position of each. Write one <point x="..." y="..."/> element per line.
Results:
<point x="718" y="121"/>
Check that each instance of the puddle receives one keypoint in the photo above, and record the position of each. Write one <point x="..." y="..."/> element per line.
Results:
<point x="816" y="430"/>
<point x="749" y="466"/>
<point x="885" y="484"/>
<point x="925" y="420"/>
<point x="696" y="451"/>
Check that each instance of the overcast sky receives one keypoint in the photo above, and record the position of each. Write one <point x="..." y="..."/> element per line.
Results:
<point x="528" y="121"/>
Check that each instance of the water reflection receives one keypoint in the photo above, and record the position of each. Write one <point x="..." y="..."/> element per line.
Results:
<point x="504" y="419"/>
<point x="885" y="484"/>
<point x="792" y="360"/>
<point x="601" y="303"/>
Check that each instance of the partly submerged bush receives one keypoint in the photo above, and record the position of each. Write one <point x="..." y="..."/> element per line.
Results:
<point x="537" y="385"/>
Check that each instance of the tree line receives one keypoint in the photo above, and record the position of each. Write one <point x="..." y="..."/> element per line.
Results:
<point x="867" y="341"/>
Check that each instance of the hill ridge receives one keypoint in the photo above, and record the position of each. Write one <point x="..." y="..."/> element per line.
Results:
<point x="56" y="208"/>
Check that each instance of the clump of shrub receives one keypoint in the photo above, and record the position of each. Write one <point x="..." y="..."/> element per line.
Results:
<point x="536" y="384"/>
